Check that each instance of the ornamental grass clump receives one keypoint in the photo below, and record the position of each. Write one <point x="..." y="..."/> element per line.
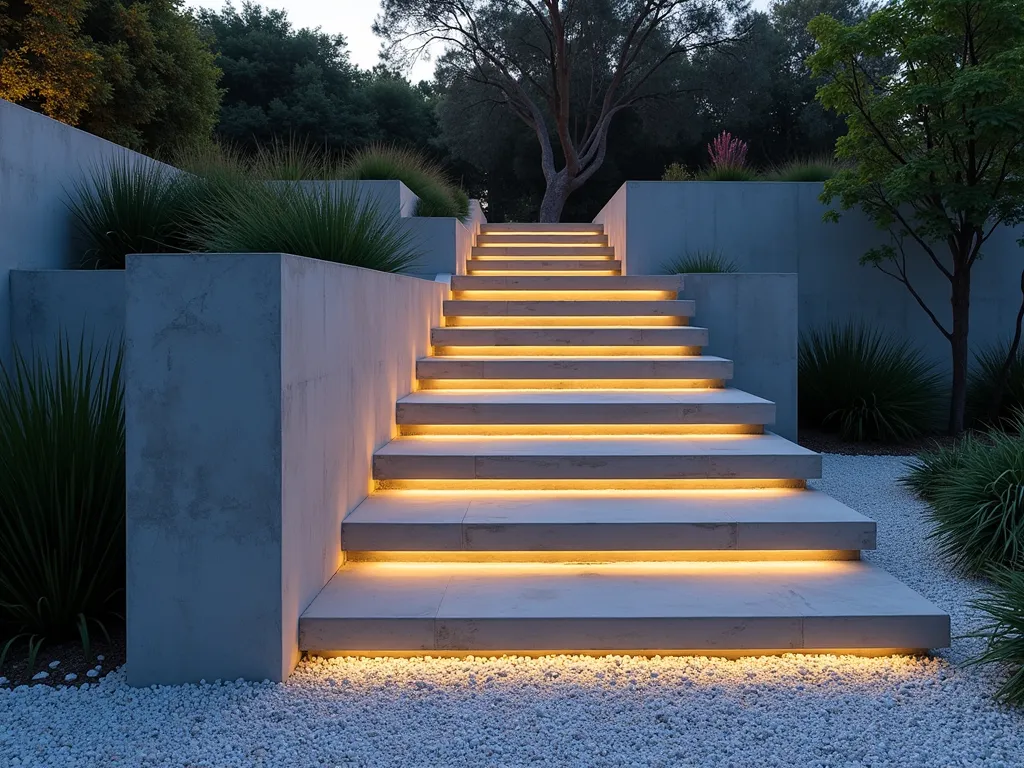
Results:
<point x="983" y="387"/>
<point x="728" y="157"/>
<point x="1003" y="632"/>
<point x="814" y="169"/>
<point x="62" y="493"/>
<point x="978" y="509"/>
<point x="865" y="385"/>
<point x="709" y="262"/>
<point x="932" y="469"/>
<point x="124" y="207"/>
<point x="438" y="196"/>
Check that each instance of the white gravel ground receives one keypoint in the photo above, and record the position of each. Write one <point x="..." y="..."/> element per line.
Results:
<point x="793" y="711"/>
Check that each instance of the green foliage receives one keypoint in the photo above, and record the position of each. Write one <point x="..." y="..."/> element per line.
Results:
<point x="984" y="384"/>
<point x="700" y="261"/>
<point x="819" y="169"/>
<point x="865" y="385"/>
<point x="426" y="179"/>
<point x="62" y="491"/>
<point x="127" y="207"/>
<point x="978" y="512"/>
<point x="726" y="173"/>
<point x="1003" y="604"/>
<point x="293" y="160"/>
<point x="677" y="172"/>
<point x="927" y="471"/>
<point x="303" y="218"/>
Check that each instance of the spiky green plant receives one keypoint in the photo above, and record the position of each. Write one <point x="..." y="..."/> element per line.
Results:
<point x="727" y="173"/>
<point x="866" y="385"/>
<point x="314" y="220"/>
<point x="426" y="179"/>
<point x="983" y="385"/>
<point x="813" y="169"/>
<point x="127" y="206"/>
<point x="696" y="262"/>
<point x="978" y="513"/>
<point x="62" y="491"/>
<point x="927" y="471"/>
<point x="1003" y="603"/>
<point x="294" y="160"/>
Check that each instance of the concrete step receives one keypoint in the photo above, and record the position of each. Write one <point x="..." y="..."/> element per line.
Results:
<point x="570" y="337"/>
<point x="713" y="522"/>
<point x="666" y="283"/>
<point x="648" y="607"/>
<point x="744" y="457"/>
<point x="632" y="368"/>
<point x="478" y="266"/>
<point x="586" y="407"/>
<point x="665" y="308"/>
<point x="541" y="239"/>
<point x="534" y="252"/>
<point x="534" y="227"/>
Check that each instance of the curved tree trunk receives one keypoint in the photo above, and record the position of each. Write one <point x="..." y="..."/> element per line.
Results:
<point x="555" y="195"/>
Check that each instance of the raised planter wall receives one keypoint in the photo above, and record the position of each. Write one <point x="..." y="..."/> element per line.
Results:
<point x="778" y="227"/>
<point x="258" y="387"/>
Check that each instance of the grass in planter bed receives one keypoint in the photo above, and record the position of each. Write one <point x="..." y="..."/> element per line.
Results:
<point x="438" y="196"/>
<point x="866" y="385"/>
<point x="700" y="262"/>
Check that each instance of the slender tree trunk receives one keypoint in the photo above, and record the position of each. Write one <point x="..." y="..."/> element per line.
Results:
<point x="555" y="195"/>
<point x="996" y="406"/>
<point x="961" y="306"/>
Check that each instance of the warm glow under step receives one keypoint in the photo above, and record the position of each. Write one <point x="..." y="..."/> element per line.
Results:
<point x="540" y="239"/>
<point x="547" y="251"/>
<point x="604" y="266"/>
<point x="793" y="606"/>
<point x="671" y="283"/>
<point x="698" y="367"/>
<point x="570" y="336"/>
<point x="755" y="457"/>
<point x="664" y="308"/>
<point x="602" y="521"/>
<point x="585" y="407"/>
<point x="535" y="227"/>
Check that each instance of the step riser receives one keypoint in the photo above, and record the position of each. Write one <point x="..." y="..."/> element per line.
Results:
<point x="535" y="228"/>
<point x="604" y="484"/>
<point x="563" y="321"/>
<point x="509" y="238"/>
<point x="668" y="283"/>
<point x="564" y="296"/>
<point x="655" y="467"/>
<point x="684" y="309"/>
<point x="602" y="556"/>
<point x="585" y="414"/>
<point x="540" y="252"/>
<point x="540" y="266"/>
<point x="562" y="352"/>
<point x="556" y="430"/>
<point x="683" y="336"/>
<point x="570" y="368"/>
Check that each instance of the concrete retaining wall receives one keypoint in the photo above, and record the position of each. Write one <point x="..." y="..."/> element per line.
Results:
<point x="777" y="227"/>
<point x="258" y="388"/>
<point x="764" y="352"/>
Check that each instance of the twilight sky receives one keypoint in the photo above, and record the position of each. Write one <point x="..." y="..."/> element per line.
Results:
<point x="351" y="18"/>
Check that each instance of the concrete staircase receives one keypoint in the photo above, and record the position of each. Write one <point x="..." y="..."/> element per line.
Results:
<point x="573" y="474"/>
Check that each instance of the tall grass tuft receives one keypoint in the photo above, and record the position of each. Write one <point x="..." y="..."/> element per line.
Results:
<point x="62" y="492"/>
<point x="124" y="207"/>
<point x="1003" y="604"/>
<point x="927" y="471"/>
<point x="813" y="169"/>
<point x="978" y="511"/>
<point x="866" y="385"/>
<point x="983" y="385"/>
<point x="438" y="196"/>
<point x="317" y="221"/>
<point x="712" y="261"/>
<point x="727" y="174"/>
<point x="294" y="160"/>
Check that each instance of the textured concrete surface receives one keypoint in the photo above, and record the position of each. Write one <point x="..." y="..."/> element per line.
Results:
<point x="752" y="320"/>
<point x="252" y="411"/>
<point x="767" y="226"/>
<point x="83" y="305"/>
<point x="443" y="245"/>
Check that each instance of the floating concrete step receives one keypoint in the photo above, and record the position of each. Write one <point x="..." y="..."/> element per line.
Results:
<point x="702" y="367"/>
<point x="651" y="607"/>
<point x="667" y="283"/>
<point x="533" y="227"/>
<point x="476" y="266"/>
<point x="746" y="457"/>
<point x="665" y="308"/>
<point x="591" y="521"/>
<point x="533" y="252"/>
<point x="587" y="407"/>
<point x="540" y="239"/>
<point x="569" y="337"/>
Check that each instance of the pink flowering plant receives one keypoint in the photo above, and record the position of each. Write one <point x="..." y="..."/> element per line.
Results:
<point x="727" y="152"/>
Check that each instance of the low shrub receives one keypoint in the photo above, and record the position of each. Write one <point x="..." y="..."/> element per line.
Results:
<point x="1003" y="633"/>
<point x="866" y="385"/>
<point x="314" y="221"/>
<point x="700" y="262"/>
<point x="983" y="385"/>
<point x="978" y="511"/>
<point x="677" y="172"/>
<point x="928" y="470"/>
<point x="124" y="207"/>
<point x="62" y="492"/>
<point x="438" y="196"/>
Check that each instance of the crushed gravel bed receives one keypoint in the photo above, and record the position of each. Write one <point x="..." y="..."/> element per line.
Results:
<point x="793" y="711"/>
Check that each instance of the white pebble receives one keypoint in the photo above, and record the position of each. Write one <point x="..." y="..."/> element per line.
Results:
<point x="69" y="677"/>
<point x="40" y="675"/>
<point x="92" y="673"/>
<point x="664" y="712"/>
<point x="99" y="658"/>
<point x="3" y="681"/>
<point x="54" y="664"/>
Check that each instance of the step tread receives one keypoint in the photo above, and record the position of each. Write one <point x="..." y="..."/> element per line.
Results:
<point x="562" y="238"/>
<point x="540" y="251"/>
<point x="575" y="367"/>
<point x="724" y="396"/>
<point x="534" y="227"/>
<point x="610" y="606"/>
<point x="768" y="444"/>
<point x="569" y="335"/>
<point x="580" y="307"/>
<point x="567" y="282"/>
<point x="599" y="521"/>
<point x="553" y="265"/>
